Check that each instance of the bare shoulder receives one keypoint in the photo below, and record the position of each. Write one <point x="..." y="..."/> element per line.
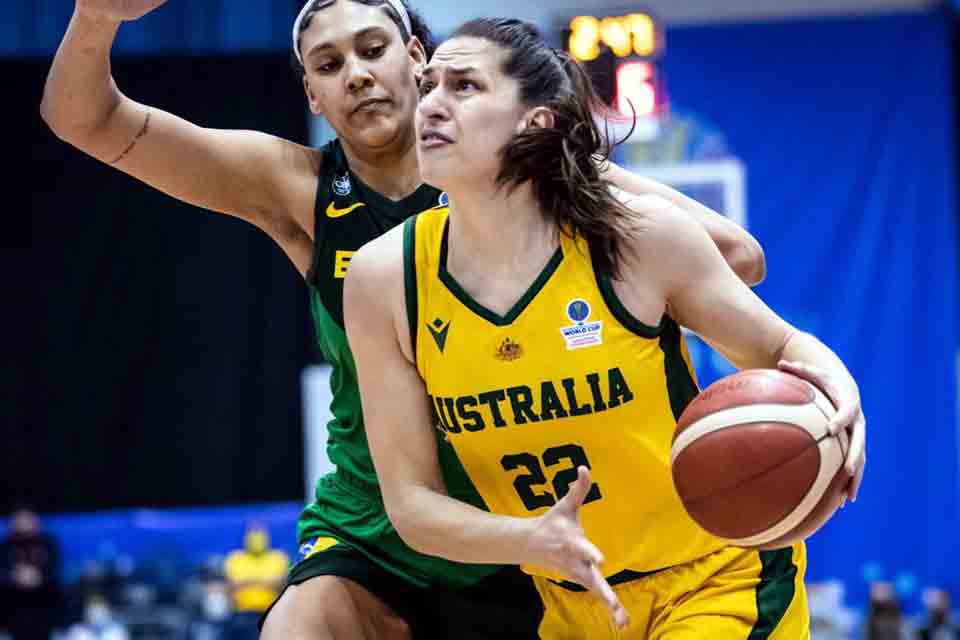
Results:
<point x="656" y="221"/>
<point x="662" y="246"/>
<point x="376" y="270"/>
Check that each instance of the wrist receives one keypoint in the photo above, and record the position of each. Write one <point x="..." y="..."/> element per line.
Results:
<point x="94" y="22"/>
<point x="527" y="540"/>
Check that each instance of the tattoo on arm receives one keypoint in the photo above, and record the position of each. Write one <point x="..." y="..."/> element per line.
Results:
<point x="133" y="143"/>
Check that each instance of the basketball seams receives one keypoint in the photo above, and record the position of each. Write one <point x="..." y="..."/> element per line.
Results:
<point x="724" y="393"/>
<point x="831" y="459"/>
<point x="809" y="417"/>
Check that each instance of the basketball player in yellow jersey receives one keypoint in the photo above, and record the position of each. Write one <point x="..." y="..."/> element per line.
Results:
<point x="535" y="322"/>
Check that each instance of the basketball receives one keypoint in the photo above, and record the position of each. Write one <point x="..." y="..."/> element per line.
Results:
<point x="753" y="462"/>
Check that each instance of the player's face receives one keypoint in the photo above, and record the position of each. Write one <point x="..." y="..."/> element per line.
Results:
<point x="360" y="75"/>
<point x="469" y="109"/>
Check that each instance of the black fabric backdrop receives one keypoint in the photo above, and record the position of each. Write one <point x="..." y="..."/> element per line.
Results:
<point x="152" y="350"/>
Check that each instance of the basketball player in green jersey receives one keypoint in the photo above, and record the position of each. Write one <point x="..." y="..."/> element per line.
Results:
<point x="356" y="576"/>
<point x="535" y="323"/>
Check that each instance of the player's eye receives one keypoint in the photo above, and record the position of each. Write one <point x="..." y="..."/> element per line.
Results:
<point x="375" y="52"/>
<point x="426" y="86"/>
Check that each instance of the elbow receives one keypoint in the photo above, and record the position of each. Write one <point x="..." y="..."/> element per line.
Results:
<point x="405" y="524"/>
<point x="72" y="124"/>
<point x="48" y="114"/>
<point x="749" y="262"/>
<point x="60" y="124"/>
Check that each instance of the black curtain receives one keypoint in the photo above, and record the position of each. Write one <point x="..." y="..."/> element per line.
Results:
<point x="152" y="350"/>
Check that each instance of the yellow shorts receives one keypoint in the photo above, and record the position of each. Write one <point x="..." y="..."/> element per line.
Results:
<point x="732" y="594"/>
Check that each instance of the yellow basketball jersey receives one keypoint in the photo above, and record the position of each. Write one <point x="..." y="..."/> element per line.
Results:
<point x="566" y="378"/>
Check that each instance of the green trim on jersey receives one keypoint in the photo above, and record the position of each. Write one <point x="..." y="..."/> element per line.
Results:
<point x="619" y="311"/>
<point x="494" y="318"/>
<point x="348" y="505"/>
<point x="680" y="383"/>
<point x="410" y="279"/>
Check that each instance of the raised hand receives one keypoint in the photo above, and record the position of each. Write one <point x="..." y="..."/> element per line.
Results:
<point x="559" y="543"/>
<point x="117" y="10"/>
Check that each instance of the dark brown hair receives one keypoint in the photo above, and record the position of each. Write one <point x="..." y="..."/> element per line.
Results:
<point x="417" y="24"/>
<point x="563" y="162"/>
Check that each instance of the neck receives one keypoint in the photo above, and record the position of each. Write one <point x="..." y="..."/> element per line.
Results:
<point x="499" y="232"/>
<point x="393" y="172"/>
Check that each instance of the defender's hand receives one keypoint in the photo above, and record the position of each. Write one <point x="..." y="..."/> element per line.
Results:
<point x="559" y="543"/>
<point x="117" y="10"/>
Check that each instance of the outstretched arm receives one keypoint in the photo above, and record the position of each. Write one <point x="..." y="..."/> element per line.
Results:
<point x="740" y="249"/>
<point x="251" y="175"/>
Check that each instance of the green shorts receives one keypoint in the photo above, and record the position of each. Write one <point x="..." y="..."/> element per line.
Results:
<point x="502" y="606"/>
<point x="346" y="533"/>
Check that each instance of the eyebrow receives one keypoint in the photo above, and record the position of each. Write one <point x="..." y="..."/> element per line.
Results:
<point x="457" y="71"/>
<point x="363" y="33"/>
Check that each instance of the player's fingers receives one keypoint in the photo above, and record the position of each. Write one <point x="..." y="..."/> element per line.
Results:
<point x="846" y="404"/>
<point x="858" y="437"/>
<point x="602" y="589"/>
<point x="814" y="375"/>
<point x="579" y="488"/>
<point x="847" y="415"/>
<point x="854" y="488"/>
<point x="587" y="552"/>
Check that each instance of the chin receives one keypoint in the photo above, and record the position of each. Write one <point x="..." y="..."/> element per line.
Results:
<point x="382" y="133"/>
<point x="434" y="175"/>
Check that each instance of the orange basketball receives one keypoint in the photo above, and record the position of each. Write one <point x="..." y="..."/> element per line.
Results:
<point x="753" y="462"/>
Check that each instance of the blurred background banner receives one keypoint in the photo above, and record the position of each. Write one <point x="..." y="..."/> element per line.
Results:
<point x="154" y="354"/>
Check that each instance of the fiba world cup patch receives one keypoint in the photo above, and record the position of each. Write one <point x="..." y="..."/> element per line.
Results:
<point x="342" y="186"/>
<point x="582" y="333"/>
<point x="444" y="199"/>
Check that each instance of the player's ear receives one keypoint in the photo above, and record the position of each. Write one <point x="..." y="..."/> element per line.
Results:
<point x="418" y="54"/>
<point x="538" y="117"/>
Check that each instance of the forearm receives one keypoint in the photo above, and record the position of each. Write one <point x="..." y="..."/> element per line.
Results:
<point x="438" y="525"/>
<point x="80" y="93"/>
<point x="740" y="249"/>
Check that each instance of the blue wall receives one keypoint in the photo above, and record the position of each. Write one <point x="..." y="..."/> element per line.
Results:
<point x="846" y="130"/>
<point x="29" y="28"/>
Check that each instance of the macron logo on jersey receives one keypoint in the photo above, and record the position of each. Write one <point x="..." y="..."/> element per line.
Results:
<point x="439" y="332"/>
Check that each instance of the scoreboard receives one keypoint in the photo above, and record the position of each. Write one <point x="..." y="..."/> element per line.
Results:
<point x="621" y="52"/>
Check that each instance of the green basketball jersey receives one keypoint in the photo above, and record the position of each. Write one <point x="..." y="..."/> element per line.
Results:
<point x="348" y="504"/>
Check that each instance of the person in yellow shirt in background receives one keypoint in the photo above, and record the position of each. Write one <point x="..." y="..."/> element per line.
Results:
<point x="255" y="574"/>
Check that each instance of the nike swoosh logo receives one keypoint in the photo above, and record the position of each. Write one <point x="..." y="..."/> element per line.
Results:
<point x="440" y="337"/>
<point x="333" y="212"/>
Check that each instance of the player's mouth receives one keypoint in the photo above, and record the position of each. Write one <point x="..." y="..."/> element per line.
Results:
<point x="371" y="105"/>
<point x="430" y="139"/>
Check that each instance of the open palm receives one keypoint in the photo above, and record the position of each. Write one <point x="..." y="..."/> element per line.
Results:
<point x="117" y="10"/>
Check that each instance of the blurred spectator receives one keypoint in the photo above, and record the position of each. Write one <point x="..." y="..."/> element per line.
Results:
<point x="830" y="619"/>
<point x="214" y="620"/>
<point x="885" y="619"/>
<point x="255" y="575"/>
<point x="98" y="623"/>
<point x="938" y="624"/>
<point x="29" y="579"/>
